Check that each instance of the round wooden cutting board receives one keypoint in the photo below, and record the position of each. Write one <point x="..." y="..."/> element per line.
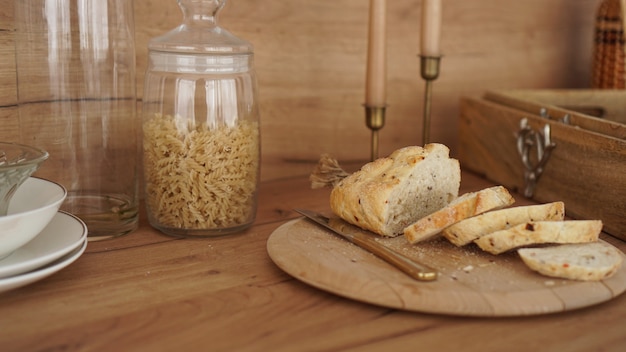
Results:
<point x="471" y="282"/>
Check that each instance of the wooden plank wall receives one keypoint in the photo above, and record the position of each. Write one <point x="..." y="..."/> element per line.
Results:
<point x="310" y="58"/>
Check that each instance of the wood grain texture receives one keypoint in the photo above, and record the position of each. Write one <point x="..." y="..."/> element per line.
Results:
<point x="601" y="111"/>
<point x="585" y="170"/>
<point x="147" y="291"/>
<point x="471" y="282"/>
<point x="310" y="58"/>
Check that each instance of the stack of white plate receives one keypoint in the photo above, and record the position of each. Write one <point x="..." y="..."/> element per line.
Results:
<point x="36" y="239"/>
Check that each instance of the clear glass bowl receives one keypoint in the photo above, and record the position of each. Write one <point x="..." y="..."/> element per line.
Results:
<point x="17" y="163"/>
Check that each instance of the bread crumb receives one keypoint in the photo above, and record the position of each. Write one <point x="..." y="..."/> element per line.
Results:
<point x="549" y="283"/>
<point x="468" y="268"/>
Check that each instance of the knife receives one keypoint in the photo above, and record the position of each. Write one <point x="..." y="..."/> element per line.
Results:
<point x="358" y="237"/>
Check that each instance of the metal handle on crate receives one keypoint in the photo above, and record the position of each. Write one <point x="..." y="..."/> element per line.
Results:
<point x="526" y="139"/>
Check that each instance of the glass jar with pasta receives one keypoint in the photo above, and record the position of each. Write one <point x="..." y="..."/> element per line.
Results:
<point x="201" y="136"/>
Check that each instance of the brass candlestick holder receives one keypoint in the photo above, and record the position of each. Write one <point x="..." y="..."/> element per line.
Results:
<point x="375" y="120"/>
<point x="430" y="72"/>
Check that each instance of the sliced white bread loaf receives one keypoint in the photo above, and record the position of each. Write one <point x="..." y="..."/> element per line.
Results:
<point x="589" y="261"/>
<point x="466" y="231"/>
<point x="540" y="232"/>
<point x="389" y="193"/>
<point x="465" y="206"/>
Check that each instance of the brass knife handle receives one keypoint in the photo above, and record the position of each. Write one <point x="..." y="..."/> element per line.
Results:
<point x="407" y="265"/>
<point x="355" y="235"/>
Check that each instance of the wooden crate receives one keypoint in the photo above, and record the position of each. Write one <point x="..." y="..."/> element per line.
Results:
<point x="587" y="166"/>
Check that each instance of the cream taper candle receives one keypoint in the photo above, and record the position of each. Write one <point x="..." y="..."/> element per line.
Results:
<point x="431" y="28"/>
<point x="376" y="76"/>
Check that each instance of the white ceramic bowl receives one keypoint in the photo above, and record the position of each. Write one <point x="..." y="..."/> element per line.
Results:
<point x="32" y="207"/>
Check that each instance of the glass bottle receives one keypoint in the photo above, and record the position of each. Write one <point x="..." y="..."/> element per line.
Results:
<point x="77" y="100"/>
<point x="201" y="137"/>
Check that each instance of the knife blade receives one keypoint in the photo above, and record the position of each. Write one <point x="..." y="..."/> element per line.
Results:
<point x="355" y="235"/>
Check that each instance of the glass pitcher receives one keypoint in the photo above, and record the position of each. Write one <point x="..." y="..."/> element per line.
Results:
<point x="77" y="100"/>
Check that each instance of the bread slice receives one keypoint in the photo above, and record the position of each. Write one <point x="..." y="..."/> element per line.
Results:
<point x="465" y="206"/>
<point x="588" y="262"/>
<point x="468" y="230"/>
<point x="532" y="233"/>
<point x="392" y="192"/>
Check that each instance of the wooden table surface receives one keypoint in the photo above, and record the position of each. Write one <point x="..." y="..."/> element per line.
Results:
<point x="150" y="292"/>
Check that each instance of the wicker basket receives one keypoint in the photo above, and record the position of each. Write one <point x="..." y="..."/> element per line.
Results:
<point x="608" y="57"/>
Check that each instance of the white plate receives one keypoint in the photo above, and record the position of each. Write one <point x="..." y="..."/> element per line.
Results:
<point x="64" y="233"/>
<point x="13" y="282"/>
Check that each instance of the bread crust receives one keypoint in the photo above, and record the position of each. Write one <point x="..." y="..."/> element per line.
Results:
<point x="540" y="232"/>
<point x="467" y="205"/>
<point x="468" y="230"/>
<point x="386" y="194"/>
<point x="587" y="262"/>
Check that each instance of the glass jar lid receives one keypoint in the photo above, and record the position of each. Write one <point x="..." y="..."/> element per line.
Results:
<point x="200" y="33"/>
